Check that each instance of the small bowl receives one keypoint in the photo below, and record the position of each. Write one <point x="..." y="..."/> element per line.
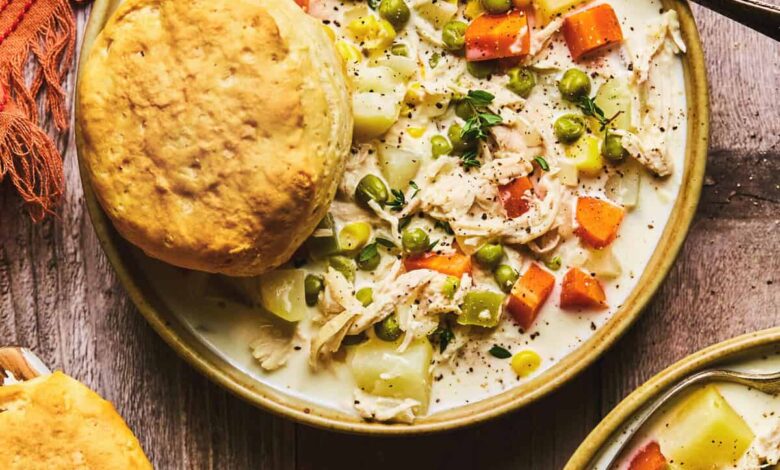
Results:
<point x="589" y="453"/>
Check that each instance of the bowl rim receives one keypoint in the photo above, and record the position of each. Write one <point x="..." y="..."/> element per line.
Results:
<point x="221" y="372"/>
<point x="629" y="406"/>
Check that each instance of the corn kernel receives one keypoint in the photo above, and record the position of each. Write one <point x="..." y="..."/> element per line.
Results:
<point x="525" y="363"/>
<point x="416" y="132"/>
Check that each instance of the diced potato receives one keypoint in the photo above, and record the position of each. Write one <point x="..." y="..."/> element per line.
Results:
<point x="568" y="173"/>
<point x="614" y="97"/>
<point x="603" y="263"/>
<point x="404" y="67"/>
<point x="550" y="8"/>
<point x="398" y="165"/>
<point x="704" y="431"/>
<point x="282" y="293"/>
<point x="374" y="113"/>
<point x="623" y="187"/>
<point x="437" y="12"/>
<point x="379" y="79"/>
<point x="586" y="155"/>
<point x="379" y="369"/>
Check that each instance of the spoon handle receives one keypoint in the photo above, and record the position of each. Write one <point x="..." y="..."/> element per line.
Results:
<point x="760" y="16"/>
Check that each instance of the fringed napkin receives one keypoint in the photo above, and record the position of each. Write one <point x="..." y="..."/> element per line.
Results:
<point x="41" y="34"/>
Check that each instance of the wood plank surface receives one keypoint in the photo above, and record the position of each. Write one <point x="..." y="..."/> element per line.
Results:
<point x="60" y="297"/>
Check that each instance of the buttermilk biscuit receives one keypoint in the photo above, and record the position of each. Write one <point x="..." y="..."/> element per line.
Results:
<point x="214" y="131"/>
<point x="55" y="423"/>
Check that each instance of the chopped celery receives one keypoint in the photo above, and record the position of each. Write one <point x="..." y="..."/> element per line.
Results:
<point x="437" y="12"/>
<point x="614" y="97"/>
<point x="586" y="155"/>
<point x="282" y="293"/>
<point x="371" y="32"/>
<point x="343" y="265"/>
<point x="379" y="369"/>
<point x="482" y="308"/>
<point x="398" y="166"/>
<point x="704" y="431"/>
<point x="319" y="245"/>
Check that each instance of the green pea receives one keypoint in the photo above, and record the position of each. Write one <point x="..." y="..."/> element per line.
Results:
<point x="312" y="286"/>
<point x="451" y="284"/>
<point x="371" y="188"/>
<point x="354" y="340"/>
<point x="464" y="110"/>
<point x="415" y="241"/>
<point x="365" y="296"/>
<point x="368" y="259"/>
<point x="554" y="264"/>
<point x="481" y="69"/>
<point x="506" y="276"/>
<point x="388" y="329"/>
<point x="613" y="148"/>
<point x="399" y="49"/>
<point x="396" y="12"/>
<point x="497" y="7"/>
<point x="440" y="146"/>
<point x="453" y="35"/>
<point x="489" y="255"/>
<point x="574" y="84"/>
<point x="343" y="265"/>
<point x="521" y="81"/>
<point x="569" y="128"/>
<point x="459" y="145"/>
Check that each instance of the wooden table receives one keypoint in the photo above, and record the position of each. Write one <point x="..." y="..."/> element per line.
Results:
<point x="60" y="297"/>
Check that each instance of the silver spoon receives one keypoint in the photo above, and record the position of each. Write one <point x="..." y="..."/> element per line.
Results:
<point x="759" y="15"/>
<point x="766" y="383"/>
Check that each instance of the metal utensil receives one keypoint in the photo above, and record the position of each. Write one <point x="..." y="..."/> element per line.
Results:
<point x="760" y="16"/>
<point x="767" y="383"/>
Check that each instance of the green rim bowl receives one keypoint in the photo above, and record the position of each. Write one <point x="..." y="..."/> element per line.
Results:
<point x="590" y="449"/>
<point x="178" y="336"/>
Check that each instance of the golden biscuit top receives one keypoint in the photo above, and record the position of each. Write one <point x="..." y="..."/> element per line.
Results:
<point x="56" y="423"/>
<point x="214" y="131"/>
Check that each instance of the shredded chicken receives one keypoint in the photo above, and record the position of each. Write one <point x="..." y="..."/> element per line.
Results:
<point x="655" y="101"/>
<point x="384" y="408"/>
<point x="764" y="451"/>
<point x="273" y="347"/>
<point x="468" y="201"/>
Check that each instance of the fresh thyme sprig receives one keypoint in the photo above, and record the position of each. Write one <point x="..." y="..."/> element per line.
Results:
<point x="590" y="108"/>
<point x="476" y="127"/>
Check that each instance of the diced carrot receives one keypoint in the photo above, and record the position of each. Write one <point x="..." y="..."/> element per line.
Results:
<point x="598" y="221"/>
<point x="581" y="290"/>
<point x="649" y="458"/>
<point x="529" y="294"/>
<point x="303" y="4"/>
<point x="512" y="196"/>
<point x="498" y="36"/>
<point x="456" y="264"/>
<point x="589" y="30"/>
